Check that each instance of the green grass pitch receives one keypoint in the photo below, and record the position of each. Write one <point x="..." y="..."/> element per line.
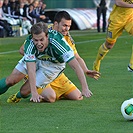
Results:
<point x="98" y="114"/>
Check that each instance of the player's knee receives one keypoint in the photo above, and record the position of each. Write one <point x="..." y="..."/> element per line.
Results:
<point x="75" y="95"/>
<point x="78" y="98"/>
<point x="50" y="99"/>
<point x="49" y="95"/>
<point x="25" y="92"/>
<point x="109" y="45"/>
<point x="10" y="81"/>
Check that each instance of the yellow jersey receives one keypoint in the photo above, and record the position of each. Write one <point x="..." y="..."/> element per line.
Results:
<point x="122" y="10"/>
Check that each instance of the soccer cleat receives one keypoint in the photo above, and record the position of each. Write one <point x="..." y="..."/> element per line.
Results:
<point x="129" y="68"/>
<point x="13" y="99"/>
<point x="96" y="66"/>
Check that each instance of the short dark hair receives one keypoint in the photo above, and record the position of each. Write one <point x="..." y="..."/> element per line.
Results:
<point x="39" y="28"/>
<point x="62" y="14"/>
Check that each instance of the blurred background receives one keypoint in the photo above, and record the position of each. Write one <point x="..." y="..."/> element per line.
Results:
<point x="17" y="16"/>
<point x="71" y="3"/>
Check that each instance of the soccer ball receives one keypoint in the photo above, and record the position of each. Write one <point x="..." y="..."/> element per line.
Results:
<point x="127" y="109"/>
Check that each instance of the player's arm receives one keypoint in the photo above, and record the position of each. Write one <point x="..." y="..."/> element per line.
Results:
<point x="31" y="68"/>
<point x="30" y="59"/>
<point x="80" y="74"/>
<point x="90" y="73"/>
<point x="121" y="3"/>
<point x="21" y="50"/>
<point x="67" y="55"/>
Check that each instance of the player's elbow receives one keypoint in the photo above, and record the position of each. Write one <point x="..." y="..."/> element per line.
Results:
<point x="21" y="52"/>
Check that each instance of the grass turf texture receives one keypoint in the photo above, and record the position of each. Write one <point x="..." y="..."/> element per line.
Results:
<point x="99" y="114"/>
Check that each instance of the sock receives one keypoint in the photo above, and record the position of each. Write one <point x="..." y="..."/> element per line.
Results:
<point x="131" y="59"/>
<point x="101" y="53"/>
<point x="21" y="96"/>
<point x="3" y="86"/>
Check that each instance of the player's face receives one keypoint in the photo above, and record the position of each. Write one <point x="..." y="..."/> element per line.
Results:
<point x="64" y="26"/>
<point x="40" y="41"/>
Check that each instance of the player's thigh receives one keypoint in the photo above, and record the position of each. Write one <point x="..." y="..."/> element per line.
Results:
<point x="18" y="73"/>
<point x="129" y="26"/>
<point x="114" y="30"/>
<point x="25" y="88"/>
<point x="14" y="77"/>
<point x="62" y="86"/>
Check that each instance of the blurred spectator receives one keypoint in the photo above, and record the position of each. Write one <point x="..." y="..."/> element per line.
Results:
<point x="3" y="22"/>
<point x="25" y="22"/>
<point x="102" y="6"/>
<point x="26" y="10"/>
<point x="42" y="12"/>
<point x="14" y="15"/>
<point x="6" y="7"/>
<point x="35" y="12"/>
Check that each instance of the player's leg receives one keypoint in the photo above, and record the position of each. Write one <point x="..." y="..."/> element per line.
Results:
<point x="41" y="79"/>
<point x="113" y="32"/>
<point x="73" y="94"/>
<point x="48" y="94"/>
<point x="130" y="65"/>
<point x="129" y="29"/>
<point x="17" y="74"/>
<point x="103" y="50"/>
<point x="23" y="93"/>
<point x="64" y="88"/>
<point x="11" y="80"/>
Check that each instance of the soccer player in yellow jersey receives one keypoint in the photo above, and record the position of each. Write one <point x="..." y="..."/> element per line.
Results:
<point x="121" y="18"/>
<point x="61" y="86"/>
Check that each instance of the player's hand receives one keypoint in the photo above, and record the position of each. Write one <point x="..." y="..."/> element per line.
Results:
<point x="36" y="97"/>
<point x="87" y="93"/>
<point x="93" y="74"/>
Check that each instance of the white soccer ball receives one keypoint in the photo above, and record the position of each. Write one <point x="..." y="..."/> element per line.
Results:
<point x="127" y="109"/>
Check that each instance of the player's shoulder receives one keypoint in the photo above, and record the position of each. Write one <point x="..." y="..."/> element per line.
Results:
<point x="55" y="34"/>
<point x="69" y="39"/>
<point x="28" y="40"/>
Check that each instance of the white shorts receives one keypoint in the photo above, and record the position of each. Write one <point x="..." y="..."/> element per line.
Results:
<point x="46" y="71"/>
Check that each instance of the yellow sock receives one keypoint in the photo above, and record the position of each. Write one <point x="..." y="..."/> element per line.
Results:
<point x="101" y="53"/>
<point x="131" y="59"/>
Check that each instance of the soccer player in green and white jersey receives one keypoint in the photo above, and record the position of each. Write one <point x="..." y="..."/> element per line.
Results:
<point x="61" y="86"/>
<point x="44" y="59"/>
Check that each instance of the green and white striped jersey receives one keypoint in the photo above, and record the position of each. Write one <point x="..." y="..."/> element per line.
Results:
<point x="58" y="50"/>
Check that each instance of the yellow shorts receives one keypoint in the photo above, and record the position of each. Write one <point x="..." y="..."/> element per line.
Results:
<point x="118" y="23"/>
<point x="61" y="85"/>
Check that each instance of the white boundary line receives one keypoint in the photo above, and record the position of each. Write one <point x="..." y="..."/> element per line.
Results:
<point x="9" y="52"/>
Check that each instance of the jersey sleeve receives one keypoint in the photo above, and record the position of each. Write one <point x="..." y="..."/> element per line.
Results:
<point x="63" y="51"/>
<point x="69" y="55"/>
<point x="29" y="50"/>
